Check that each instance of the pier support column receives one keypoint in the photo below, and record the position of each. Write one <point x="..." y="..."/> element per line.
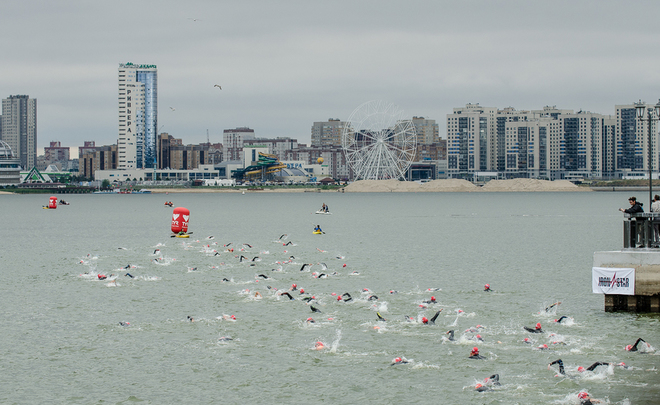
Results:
<point x="609" y="303"/>
<point x="655" y="303"/>
<point x="632" y="303"/>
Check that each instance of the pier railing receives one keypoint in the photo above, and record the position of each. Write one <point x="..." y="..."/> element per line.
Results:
<point x="638" y="230"/>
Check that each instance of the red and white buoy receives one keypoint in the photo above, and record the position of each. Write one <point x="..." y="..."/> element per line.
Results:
<point x="52" y="203"/>
<point x="180" y="217"/>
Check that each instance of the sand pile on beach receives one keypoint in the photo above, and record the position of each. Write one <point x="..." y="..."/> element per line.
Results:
<point x="531" y="185"/>
<point x="396" y="186"/>
<point x="458" y="185"/>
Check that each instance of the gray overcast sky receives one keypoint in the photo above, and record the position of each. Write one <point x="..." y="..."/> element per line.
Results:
<point x="284" y="64"/>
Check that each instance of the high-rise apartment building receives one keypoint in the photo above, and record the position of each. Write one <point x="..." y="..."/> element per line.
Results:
<point x="470" y="131"/>
<point x="232" y="141"/>
<point x="19" y="128"/>
<point x="632" y="140"/>
<point x="327" y="133"/>
<point x="138" y="116"/>
<point x="428" y="131"/>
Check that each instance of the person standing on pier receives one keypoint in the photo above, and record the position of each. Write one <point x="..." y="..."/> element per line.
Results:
<point x="637" y="229"/>
<point x="655" y="207"/>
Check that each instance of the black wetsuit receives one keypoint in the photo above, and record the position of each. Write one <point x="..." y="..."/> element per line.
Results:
<point x="562" y="318"/>
<point x="314" y="309"/>
<point x="128" y="274"/>
<point x="477" y="357"/>
<point x="288" y="295"/>
<point x="347" y="295"/>
<point x="596" y="364"/>
<point x="380" y="318"/>
<point x="263" y="276"/>
<point x="634" y="348"/>
<point x="432" y="320"/>
<point x="303" y="266"/>
<point x="451" y="335"/>
<point x="372" y="297"/>
<point x="561" y="365"/>
<point x="532" y="330"/>
<point x="493" y="379"/>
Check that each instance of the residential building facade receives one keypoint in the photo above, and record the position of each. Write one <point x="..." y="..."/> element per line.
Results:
<point x="19" y="128"/>
<point x="138" y="116"/>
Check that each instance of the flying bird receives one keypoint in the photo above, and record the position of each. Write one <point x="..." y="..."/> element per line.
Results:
<point x="194" y="19"/>
<point x="218" y="86"/>
<point x="172" y="108"/>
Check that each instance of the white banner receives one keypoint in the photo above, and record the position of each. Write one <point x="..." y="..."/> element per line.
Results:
<point x="612" y="280"/>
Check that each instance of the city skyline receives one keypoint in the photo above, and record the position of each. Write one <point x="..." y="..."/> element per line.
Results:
<point x="283" y="67"/>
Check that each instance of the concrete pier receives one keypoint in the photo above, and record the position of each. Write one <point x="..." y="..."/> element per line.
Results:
<point x="646" y="262"/>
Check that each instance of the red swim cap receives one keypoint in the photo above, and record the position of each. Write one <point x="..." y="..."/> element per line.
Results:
<point x="487" y="286"/>
<point x="344" y="265"/>
<point x="580" y="369"/>
<point x="339" y="298"/>
<point x="433" y="299"/>
<point x="475" y="350"/>
<point x="294" y="285"/>
<point x="302" y="290"/>
<point x="526" y="340"/>
<point x="425" y="320"/>
<point x="478" y="386"/>
<point x="478" y="336"/>
<point x="583" y="395"/>
<point x="538" y="325"/>
<point x="233" y="317"/>
<point x="629" y="348"/>
<point x="398" y="359"/>
<point x="309" y="319"/>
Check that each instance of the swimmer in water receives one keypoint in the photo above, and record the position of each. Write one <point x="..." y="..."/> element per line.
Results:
<point x="225" y="279"/>
<point x="256" y="259"/>
<point x="156" y="251"/>
<point x="240" y="259"/>
<point x="474" y="354"/>
<point x="125" y="323"/>
<point x="190" y="318"/>
<point x="314" y="309"/>
<point x="451" y="335"/>
<point x="431" y="301"/>
<point x="248" y="245"/>
<point x="527" y="340"/>
<point x="493" y="380"/>
<point x="585" y="399"/>
<point x="102" y="276"/>
<point x="305" y="265"/>
<point x="372" y="298"/>
<point x="536" y="329"/>
<point x="265" y="277"/>
<point x="129" y="275"/>
<point x="288" y="295"/>
<point x="561" y="318"/>
<point x="344" y="295"/>
<point x="552" y="306"/>
<point x="432" y="321"/>
<point x="487" y="288"/>
<point x="394" y="292"/>
<point x="380" y="318"/>
<point x="633" y="348"/>
<point x="593" y="366"/>
<point x="560" y="363"/>
<point x="399" y="360"/>
<point x="433" y="289"/>
<point x="257" y="294"/>
<point x="288" y="243"/>
<point x="310" y="320"/>
<point x="282" y="236"/>
<point x="225" y="339"/>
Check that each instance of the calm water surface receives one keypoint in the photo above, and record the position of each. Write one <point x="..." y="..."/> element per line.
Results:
<point x="61" y="340"/>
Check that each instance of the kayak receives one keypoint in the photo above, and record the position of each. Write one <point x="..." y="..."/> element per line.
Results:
<point x="324" y="212"/>
<point x="182" y="236"/>
<point x="317" y="232"/>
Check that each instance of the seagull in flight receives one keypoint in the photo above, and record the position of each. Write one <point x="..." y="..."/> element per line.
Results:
<point x="218" y="86"/>
<point x="172" y="108"/>
<point x="194" y="19"/>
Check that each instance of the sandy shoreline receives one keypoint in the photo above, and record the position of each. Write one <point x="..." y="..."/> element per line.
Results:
<point x="395" y="186"/>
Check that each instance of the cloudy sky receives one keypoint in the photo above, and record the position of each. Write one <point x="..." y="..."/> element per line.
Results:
<point x="284" y="64"/>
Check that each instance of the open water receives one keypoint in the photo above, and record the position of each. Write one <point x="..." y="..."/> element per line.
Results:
<point x="62" y="341"/>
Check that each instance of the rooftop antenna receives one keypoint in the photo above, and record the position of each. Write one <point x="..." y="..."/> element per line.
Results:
<point x="207" y="137"/>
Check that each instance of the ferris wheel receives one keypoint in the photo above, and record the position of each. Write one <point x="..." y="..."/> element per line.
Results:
<point x="379" y="143"/>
